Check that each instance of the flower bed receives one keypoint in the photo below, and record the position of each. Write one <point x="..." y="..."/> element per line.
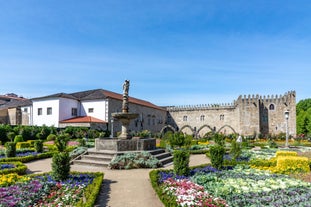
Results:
<point x="237" y="187"/>
<point x="80" y="189"/>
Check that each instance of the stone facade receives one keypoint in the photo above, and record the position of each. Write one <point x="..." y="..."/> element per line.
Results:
<point x="248" y="115"/>
<point x="152" y="119"/>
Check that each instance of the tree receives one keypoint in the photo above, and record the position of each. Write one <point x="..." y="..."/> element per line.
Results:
<point x="303" y="117"/>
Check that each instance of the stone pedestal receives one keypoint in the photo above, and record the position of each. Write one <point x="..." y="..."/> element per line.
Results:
<point x="116" y="144"/>
<point x="125" y="119"/>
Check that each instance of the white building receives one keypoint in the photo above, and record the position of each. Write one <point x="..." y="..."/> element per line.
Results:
<point x="91" y="107"/>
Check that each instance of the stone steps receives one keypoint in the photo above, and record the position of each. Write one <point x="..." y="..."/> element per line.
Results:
<point x="95" y="158"/>
<point x="102" y="158"/>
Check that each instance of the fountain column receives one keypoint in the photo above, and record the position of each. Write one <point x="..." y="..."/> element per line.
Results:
<point x="125" y="117"/>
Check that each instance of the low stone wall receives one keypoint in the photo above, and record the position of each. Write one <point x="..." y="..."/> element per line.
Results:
<point x="115" y="144"/>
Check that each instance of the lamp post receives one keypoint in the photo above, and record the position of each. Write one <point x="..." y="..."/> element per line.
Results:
<point x="286" y="114"/>
<point x="111" y="135"/>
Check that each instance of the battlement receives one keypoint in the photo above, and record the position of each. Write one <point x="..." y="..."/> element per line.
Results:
<point x="242" y="100"/>
<point x="201" y="107"/>
<point x="287" y="97"/>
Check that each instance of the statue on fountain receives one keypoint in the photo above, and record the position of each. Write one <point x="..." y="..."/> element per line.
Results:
<point x="125" y="117"/>
<point x="126" y="85"/>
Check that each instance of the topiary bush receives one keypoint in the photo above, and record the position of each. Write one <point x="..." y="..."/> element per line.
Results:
<point x="18" y="138"/>
<point x="38" y="144"/>
<point x="60" y="166"/>
<point x="51" y="137"/>
<point x="181" y="162"/>
<point x="235" y="150"/>
<point x="178" y="140"/>
<point x="11" y="136"/>
<point x="217" y="156"/>
<point x="61" y="160"/>
<point x="10" y="149"/>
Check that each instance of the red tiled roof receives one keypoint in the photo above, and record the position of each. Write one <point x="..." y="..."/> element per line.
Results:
<point x="101" y="94"/>
<point x="83" y="119"/>
<point x="131" y="100"/>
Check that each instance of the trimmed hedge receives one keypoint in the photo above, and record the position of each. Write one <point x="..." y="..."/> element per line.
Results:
<point x="28" y="158"/>
<point x="20" y="145"/>
<point x="92" y="191"/>
<point x="169" y="201"/>
<point x="19" y="168"/>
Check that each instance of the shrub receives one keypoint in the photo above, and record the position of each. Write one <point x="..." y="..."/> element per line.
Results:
<point x="10" y="149"/>
<point x="235" y="150"/>
<point x="11" y="136"/>
<point x="38" y="146"/>
<point x="134" y="160"/>
<point x="31" y="142"/>
<point x="217" y="156"/>
<point x="26" y="132"/>
<point x="61" y="142"/>
<point x="82" y="142"/>
<point x="20" y="145"/>
<point x="162" y="143"/>
<point x="61" y="160"/>
<point x="51" y="137"/>
<point x="181" y="162"/>
<point x="272" y="144"/>
<point x="60" y="166"/>
<point x="18" y="138"/>
<point x="219" y="139"/>
<point x="180" y="140"/>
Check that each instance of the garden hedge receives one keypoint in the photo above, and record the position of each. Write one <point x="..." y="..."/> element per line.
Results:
<point x="168" y="201"/>
<point x="92" y="191"/>
<point x="28" y="158"/>
<point x="19" y="168"/>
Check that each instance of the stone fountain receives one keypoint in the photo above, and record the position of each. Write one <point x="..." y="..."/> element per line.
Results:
<point x="124" y="141"/>
<point x="125" y="117"/>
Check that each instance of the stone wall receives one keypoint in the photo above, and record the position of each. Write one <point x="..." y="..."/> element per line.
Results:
<point x="247" y="115"/>
<point x="3" y="116"/>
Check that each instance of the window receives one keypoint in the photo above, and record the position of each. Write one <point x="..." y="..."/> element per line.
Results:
<point x="202" y="117"/>
<point x="74" y="111"/>
<point x="49" y="110"/>
<point x="271" y="107"/>
<point x="91" y="110"/>
<point x="39" y="111"/>
<point x="222" y="117"/>
<point x="185" y="118"/>
<point x="25" y="110"/>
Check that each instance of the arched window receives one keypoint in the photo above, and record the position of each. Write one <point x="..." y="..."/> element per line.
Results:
<point x="271" y="107"/>
<point x="185" y="118"/>
<point x="202" y="117"/>
<point x="222" y="117"/>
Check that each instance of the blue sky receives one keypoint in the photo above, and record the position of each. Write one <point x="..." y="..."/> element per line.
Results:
<point x="174" y="52"/>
